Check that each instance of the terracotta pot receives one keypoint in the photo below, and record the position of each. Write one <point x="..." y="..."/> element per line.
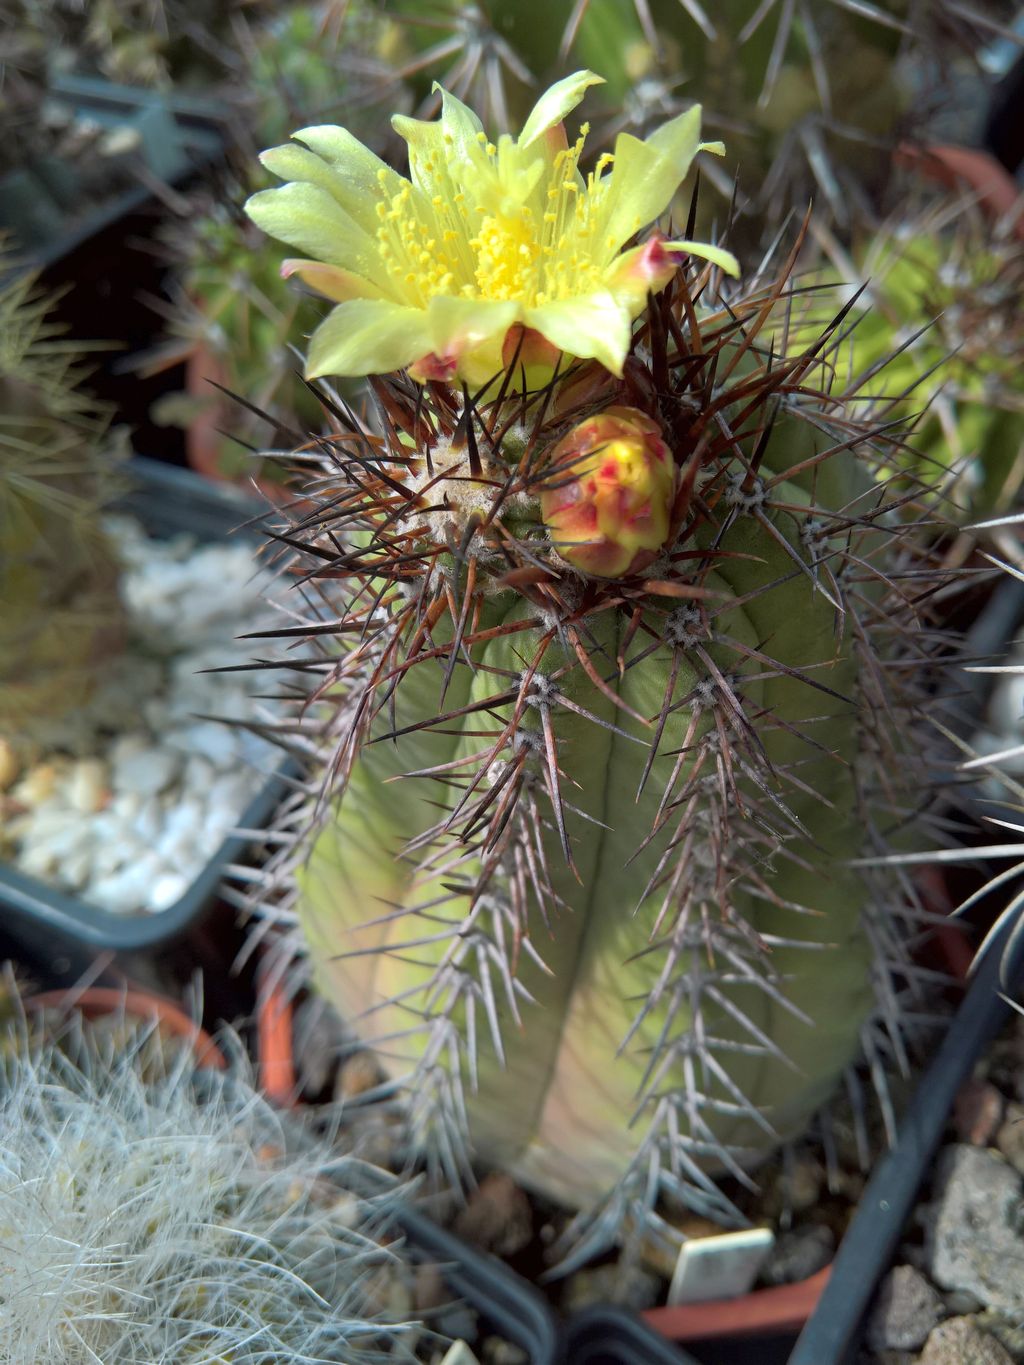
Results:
<point x="96" y="1001"/>
<point x="764" y="1312"/>
<point x="274" y="1052"/>
<point x="204" y="437"/>
<point x="968" y="168"/>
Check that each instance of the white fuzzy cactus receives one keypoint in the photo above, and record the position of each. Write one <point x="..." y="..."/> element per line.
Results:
<point x="175" y="1217"/>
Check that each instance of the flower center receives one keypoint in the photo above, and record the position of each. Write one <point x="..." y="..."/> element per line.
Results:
<point x="449" y="242"/>
<point x="507" y="251"/>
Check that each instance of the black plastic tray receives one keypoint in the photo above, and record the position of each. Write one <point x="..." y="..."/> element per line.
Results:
<point x="610" y="1336"/>
<point x="48" y="923"/>
<point x="179" y="137"/>
<point x="508" y="1305"/>
<point x="835" y="1328"/>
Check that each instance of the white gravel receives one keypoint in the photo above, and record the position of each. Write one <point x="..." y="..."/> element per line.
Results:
<point x="129" y="797"/>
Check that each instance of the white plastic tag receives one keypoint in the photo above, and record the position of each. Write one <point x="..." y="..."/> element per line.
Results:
<point x="721" y="1267"/>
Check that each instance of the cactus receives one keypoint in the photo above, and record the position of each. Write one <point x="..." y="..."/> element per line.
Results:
<point x="149" y="1212"/>
<point x="618" y="641"/>
<point x="944" y="292"/>
<point x="58" y="575"/>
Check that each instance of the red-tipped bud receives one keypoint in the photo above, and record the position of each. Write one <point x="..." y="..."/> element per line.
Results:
<point x="609" y="493"/>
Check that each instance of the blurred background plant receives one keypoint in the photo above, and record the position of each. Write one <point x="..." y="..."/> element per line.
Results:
<point x="944" y="289"/>
<point x="61" y="614"/>
<point x="811" y="100"/>
<point x="231" y="317"/>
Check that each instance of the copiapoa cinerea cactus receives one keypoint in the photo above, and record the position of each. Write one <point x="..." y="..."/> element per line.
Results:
<point x="617" y="643"/>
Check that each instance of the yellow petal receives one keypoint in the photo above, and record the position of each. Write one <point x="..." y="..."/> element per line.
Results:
<point x="366" y="177"/>
<point x="298" y="163"/>
<point x="555" y="103"/>
<point x="717" y="255"/>
<point x="367" y="336"/>
<point x="306" y="216"/>
<point x="330" y="280"/>
<point x="594" y="326"/>
<point x="436" y="149"/>
<point x="678" y="140"/>
<point x="427" y="161"/>
<point x="646" y="175"/>
<point x="457" y="120"/>
<point x="471" y="332"/>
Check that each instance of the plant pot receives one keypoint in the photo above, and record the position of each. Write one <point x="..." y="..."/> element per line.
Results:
<point x="58" y="933"/>
<point x="42" y="204"/>
<point x="204" y="438"/>
<point x="835" y="1328"/>
<point x="609" y="1336"/>
<point x="96" y="1001"/>
<point x="1004" y="129"/>
<point x="970" y="169"/>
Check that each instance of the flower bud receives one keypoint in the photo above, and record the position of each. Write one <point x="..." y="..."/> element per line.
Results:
<point x="608" y="497"/>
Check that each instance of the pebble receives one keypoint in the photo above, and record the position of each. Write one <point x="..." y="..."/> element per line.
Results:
<point x="356" y="1075"/>
<point x="88" y="787"/>
<point x="905" y="1311"/>
<point x="960" y="1342"/>
<point x="977" y="1112"/>
<point x="145" y="771"/>
<point x="974" y="1228"/>
<point x="130" y="820"/>
<point x="496" y="1351"/>
<point x="1009" y="1332"/>
<point x="1010" y="1137"/>
<point x="498" y="1216"/>
<point x="799" y="1254"/>
<point x="217" y="743"/>
<point x="959" y="1303"/>
<point x="626" y="1286"/>
<point x="37" y="785"/>
<point x="167" y="890"/>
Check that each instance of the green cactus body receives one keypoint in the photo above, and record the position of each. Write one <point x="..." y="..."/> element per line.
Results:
<point x="560" y="1103"/>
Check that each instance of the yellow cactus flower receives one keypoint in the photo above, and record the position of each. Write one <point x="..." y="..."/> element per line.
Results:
<point x="483" y="243"/>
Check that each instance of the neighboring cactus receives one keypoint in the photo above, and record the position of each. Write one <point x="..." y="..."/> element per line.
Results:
<point x="61" y="613"/>
<point x="149" y="1212"/>
<point x="234" y="319"/>
<point x="315" y="62"/>
<point x="945" y="290"/>
<point x="600" y="737"/>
